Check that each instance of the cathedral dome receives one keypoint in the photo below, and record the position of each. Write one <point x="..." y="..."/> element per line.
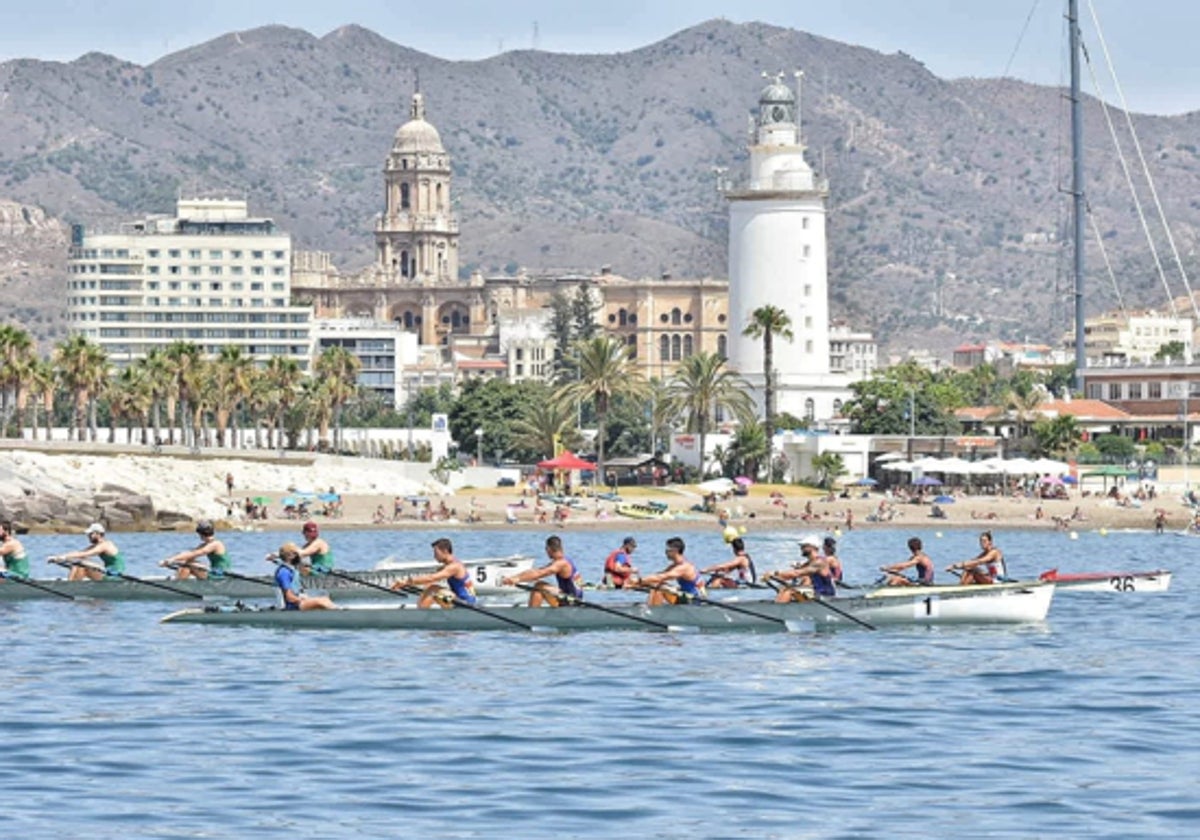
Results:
<point x="416" y="135"/>
<point x="777" y="92"/>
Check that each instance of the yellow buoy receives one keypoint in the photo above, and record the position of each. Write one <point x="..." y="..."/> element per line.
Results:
<point x="1104" y="532"/>
<point x="741" y="529"/>
<point x="837" y="532"/>
<point x="1074" y="535"/>
<point x="730" y="534"/>
<point x="938" y="535"/>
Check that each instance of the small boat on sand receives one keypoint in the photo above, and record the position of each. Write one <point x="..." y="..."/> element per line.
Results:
<point x="644" y="510"/>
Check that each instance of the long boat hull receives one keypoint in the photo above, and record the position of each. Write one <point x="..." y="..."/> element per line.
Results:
<point x="1155" y="581"/>
<point x="485" y="572"/>
<point x="1000" y="604"/>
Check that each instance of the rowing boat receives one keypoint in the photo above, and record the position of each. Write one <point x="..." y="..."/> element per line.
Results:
<point x="342" y="586"/>
<point x="644" y="510"/>
<point x="1008" y="603"/>
<point x="1155" y="581"/>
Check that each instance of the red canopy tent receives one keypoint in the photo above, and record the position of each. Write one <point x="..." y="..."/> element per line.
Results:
<point x="567" y="461"/>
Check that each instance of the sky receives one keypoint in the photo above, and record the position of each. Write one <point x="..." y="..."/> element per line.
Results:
<point x="1152" y="42"/>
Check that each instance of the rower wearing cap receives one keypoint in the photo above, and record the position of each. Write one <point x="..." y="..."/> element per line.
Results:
<point x="814" y="572"/>
<point x="101" y="547"/>
<point x="287" y="578"/>
<point x="188" y="563"/>
<point x="565" y="572"/>
<point x="315" y="550"/>
<point x="12" y="553"/>
<point x="452" y="573"/>
<point x="739" y="571"/>
<point x="618" y="566"/>
<point x="681" y="571"/>
<point x="917" y="560"/>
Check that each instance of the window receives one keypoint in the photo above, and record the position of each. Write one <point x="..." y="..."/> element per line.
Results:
<point x="235" y="255"/>
<point x="807" y="251"/>
<point x="622" y="317"/>
<point x="1154" y="391"/>
<point x="1135" y="390"/>
<point x="194" y="254"/>
<point x="173" y="253"/>
<point x="154" y="269"/>
<point x="676" y="317"/>
<point x="721" y="346"/>
<point x="664" y="347"/>
<point x="214" y="270"/>
<point x="258" y="255"/>
<point x="152" y="253"/>
<point x="404" y="197"/>
<point x="1095" y="390"/>
<point x="687" y="346"/>
<point x="676" y="343"/>
<point x="215" y="255"/>
<point x="631" y="343"/>
<point x="810" y="409"/>
<point x="804" y="223"/>
<point x="237" y="271"/>
<point x="279" y="255"/>
<point x="193" y="269"/>
<point x="837" y="407"/>
<point x="1114" y="390"/>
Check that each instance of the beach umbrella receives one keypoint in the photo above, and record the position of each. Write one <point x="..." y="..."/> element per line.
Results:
<point x="866" y="481"/>
<point x="944" y="500"/>
<point x="1070" y="479"/>
<point x="715" y="485"/>
<point x="260" y="500"/>
<point x="1050" y="479"/>
<point x="329" y="497"/>
<point x="899" y="466"/>
<point x="1051" y="466"/>
<point x="889" y="456"/>
<point x="955" y="466"/>
<point x="927" y="481"/>
<point x="288" y="501"/>
<point x="745" y="481"/>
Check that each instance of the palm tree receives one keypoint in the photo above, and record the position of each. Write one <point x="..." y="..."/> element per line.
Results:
<point x="1058" y="437"/>
<point x="702" y="386"/>
<point x="40" y="383"/>
<point x="605" y="371"/>
<point x="183" y="358"/>
<point x="544" y="423"/>
<point x="16" y="352"/>
<point x="766" y="322"/>
<point x="1024" y="406"/>
<point x="284" y="377"/>
<point x="830" y="467"/>
<point x="231" y="372"/>
<point x="337" y="369"/>
<point x="81" y="366"/>
<point x="258" y="401"/>
<point x="159" y="379"/>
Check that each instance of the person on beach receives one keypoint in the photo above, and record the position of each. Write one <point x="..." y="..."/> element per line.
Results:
<point x="813" y="572"/>
<point x="188" y="563"/>
<point x="458" y="585"/>
<point x="917" y="560"/>
<point x="318" y="552"/>
<point x="735" y="572"/>
<point x="12" y="554"/>
<point x="287" y="578"/>
<point x="618" y="566"/>
<point x="565" y="572"/>
<point x="102" y="548"/>
<point x="229" y="484"/>
<point x="680" y="571"/>
<point x="986" y="567"/>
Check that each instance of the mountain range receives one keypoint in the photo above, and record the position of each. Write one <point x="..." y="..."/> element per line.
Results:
<point x="947" y="213"/>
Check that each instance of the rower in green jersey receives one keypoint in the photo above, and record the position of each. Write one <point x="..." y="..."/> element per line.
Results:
<point x="102" y="548"/>
<point x="316" y="552"/>
<point x="12" y="553"/>
<point x="191" y="563"/>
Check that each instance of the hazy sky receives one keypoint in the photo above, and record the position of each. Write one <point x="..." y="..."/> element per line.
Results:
<point x="1152" y="41"/>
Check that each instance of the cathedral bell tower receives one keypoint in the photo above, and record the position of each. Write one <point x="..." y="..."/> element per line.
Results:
<point x="416" y="240"/>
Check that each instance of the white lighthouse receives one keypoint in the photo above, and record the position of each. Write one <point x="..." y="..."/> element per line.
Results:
<point x="777" y="257"/>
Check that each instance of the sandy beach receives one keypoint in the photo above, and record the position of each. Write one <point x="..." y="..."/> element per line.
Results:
<point x="374" y="493"/>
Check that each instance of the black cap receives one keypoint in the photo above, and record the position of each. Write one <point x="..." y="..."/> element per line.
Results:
<point x="629" y="541"/>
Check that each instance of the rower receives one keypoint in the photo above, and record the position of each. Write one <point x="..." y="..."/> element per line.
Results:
<point x="101" y="547"/>
<point x="680" y="570"/>
<point x="287" y="578"/>
<point x="12" y="554"/>
<point x="452" y="572"/>
<point x="618" y="566"/>
<point x="565" y="572"/>
<point x="814" y="572"/>
<point x="917" y="560"/>
<point x="986" y="567"/>
<point x="733" y="573"/>
<point x="829" y="550"/>
<point x="315" y="550"/>
<point x="210" y="548"/>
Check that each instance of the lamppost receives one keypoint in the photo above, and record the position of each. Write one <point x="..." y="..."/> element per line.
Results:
<point x="479" y="447"/>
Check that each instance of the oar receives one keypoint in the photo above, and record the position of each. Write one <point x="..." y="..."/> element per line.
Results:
<point x="817" y="599"/>
<point x="18" y="579"/>
<point x="233" y="575"/>
<point x="579" y="602"/>
<point x="129" y="578"/>
<point x="721" y="605"/>
<point x="366" y="583"/>
<point x="458" y="602"/>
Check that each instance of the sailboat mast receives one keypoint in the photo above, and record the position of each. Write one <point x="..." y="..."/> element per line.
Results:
<point x="1077" y="189"/>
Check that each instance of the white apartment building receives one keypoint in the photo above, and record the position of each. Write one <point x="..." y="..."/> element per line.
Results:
<point x="210" y="275"/>
<point x="852" y="353"/>
<point x="384" y="349"/>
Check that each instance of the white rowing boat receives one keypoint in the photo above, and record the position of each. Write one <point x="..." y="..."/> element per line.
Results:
<point x="1155" y="581"/>
<point x="1008" y="603"/>
<point x="341" y="586"/>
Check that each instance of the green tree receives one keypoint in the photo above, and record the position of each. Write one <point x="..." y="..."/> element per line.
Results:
<point x="1057" y="437"/>
<point x="703" y="386"/>
<point x="829" y="467"/>
<point x="747" y="452"/>
<point x="1170" y="350"/>
<point x="1115" y="448"/>
<point x="82" y="367"/>
<point x="766" y="322"/>
<point x="337" y="369"/>
<point x="540" y="425"/>
<point x="605" y="372"/>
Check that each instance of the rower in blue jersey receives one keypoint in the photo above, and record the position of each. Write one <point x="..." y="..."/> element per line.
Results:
<point x="459" y="588"/>
<point x="813" y="572"/>
<point x="287" y="578"/>
<point x="680" y="571"/>
<point x="566" y="576"/>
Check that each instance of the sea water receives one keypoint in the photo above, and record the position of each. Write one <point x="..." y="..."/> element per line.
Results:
<point x="115" y="725"/>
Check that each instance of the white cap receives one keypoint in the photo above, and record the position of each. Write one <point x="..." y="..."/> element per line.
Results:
<point x="810" y="540"/>
<point x="94" y="528"/>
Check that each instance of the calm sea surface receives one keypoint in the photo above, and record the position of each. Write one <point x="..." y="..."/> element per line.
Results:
<point x="1085" y="726"/>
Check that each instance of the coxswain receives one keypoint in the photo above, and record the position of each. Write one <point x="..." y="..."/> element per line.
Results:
<point x="459" y="588"/>
<point x="566" y="576"/>
<point x="618" y="566"/>
<point x="287" y="578"/>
